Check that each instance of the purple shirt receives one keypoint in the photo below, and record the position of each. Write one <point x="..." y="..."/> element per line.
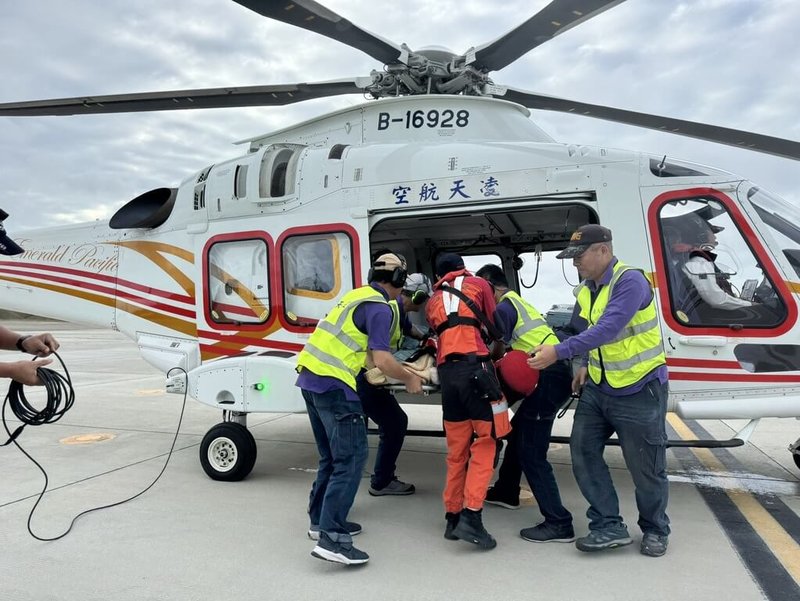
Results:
<point x="374" y="320"/>
<point x="405" y="320"/>
<point x="632" y="293"/>
<point x="505" y="318"/>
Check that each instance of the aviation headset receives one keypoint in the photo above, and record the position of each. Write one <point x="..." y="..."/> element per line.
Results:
<point x="399" y="274"/>
<point x="417" y="297"/>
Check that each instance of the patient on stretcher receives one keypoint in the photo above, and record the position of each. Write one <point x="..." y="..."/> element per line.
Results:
<point x="421" y="363"/>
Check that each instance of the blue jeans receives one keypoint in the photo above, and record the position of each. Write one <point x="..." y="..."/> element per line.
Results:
<point x="534" y="424"/>
<point x="382" y="408"/>
<point x="639" y="421"/>
<point x="341" y="436"/>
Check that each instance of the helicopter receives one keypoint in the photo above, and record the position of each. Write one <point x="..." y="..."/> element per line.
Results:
<point x="227" y="274"/>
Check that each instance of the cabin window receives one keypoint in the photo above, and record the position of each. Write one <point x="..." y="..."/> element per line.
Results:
<point x="238" y="282"/>
<point x="715" y="278"/>
<point x="317" y="269"/>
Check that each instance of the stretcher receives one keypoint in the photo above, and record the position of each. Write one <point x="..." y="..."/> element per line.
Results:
<point x="422" y="364"/>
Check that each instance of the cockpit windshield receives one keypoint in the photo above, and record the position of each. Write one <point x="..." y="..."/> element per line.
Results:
<point x="781" y="217"/>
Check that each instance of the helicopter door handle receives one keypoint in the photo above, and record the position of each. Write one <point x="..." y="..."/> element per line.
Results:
<point x="703" y="340"/>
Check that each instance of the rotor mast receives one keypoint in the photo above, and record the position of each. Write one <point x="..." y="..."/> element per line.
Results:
<point x="432" y="70"/>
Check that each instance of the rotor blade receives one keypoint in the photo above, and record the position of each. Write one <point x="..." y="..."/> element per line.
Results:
<point x="315" y="17"/>
<point x="702" y="131"/>
<point x="208" y="98"/>
<point x="555" y="18"/>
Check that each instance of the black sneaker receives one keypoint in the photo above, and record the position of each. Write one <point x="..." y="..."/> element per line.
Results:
<point x="352" y="528"/>
<point x="654" y="545"/>
<point x="495" y="496"/>
<point x="598" y="540"/>
<point x="395" y="487"/>
<point x="452" y="522"/>
<point x="344" y="553"/>
<point x="548" y="533"/>
<point x="470" y="528"/>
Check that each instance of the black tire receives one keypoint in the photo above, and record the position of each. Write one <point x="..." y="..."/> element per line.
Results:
<point x="228" y="452"/>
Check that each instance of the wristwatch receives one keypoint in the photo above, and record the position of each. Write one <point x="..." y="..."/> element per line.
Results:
<point x="20" y="342"/>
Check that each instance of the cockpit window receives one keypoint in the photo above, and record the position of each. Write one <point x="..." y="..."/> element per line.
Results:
<point x="782" y="219"/>
<point x="715" y="277"/>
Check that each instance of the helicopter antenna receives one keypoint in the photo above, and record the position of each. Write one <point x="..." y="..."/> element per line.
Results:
<point x="661" y="165"/>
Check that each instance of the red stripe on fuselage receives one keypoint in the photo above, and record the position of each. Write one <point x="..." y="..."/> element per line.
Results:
<point x="265" y="342"/>
<point x="105" y="278"/>
<point x="703" y="363"/>
<point x="718" y="377"/>
<point x="112" y="292"/>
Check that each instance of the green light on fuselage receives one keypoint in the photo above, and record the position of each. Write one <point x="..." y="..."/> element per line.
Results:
<point x="262" y="386"/>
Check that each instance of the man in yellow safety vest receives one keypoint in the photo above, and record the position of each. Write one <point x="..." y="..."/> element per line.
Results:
<point x="361" y="322"/>
<point x="626" y="392"/>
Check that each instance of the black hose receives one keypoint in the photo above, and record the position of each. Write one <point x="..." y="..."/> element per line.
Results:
<point x="60" y="398"/>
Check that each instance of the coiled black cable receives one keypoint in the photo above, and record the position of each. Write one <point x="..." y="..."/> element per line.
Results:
<point x="60" y="398"/>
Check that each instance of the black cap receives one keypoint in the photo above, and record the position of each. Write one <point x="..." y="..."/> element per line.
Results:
<point x="447" y="262"/>
<point x="583" y="238"/>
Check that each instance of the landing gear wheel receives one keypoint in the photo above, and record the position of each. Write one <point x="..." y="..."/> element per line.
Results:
<point x="228" y="452"/>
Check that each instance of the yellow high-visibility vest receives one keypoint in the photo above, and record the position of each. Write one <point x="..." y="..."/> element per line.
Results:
<point x="635" y="352"/>
<point x="531" y="329"/>
<point x="337" y="348"/>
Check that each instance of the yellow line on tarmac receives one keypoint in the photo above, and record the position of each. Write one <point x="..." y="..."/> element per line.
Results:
<point x="783" y="546"/>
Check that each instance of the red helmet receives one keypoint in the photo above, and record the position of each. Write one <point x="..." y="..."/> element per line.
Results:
<point x="516" y="378"/>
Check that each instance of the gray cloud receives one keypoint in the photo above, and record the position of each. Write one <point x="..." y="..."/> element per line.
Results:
<point x="727" y="62"/>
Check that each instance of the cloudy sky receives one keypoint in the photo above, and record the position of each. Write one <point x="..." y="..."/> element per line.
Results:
<point x="728" y="62"/>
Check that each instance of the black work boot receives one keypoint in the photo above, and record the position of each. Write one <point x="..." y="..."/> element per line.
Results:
<point x="452" y="521"/>
<point x="470" y="528"/>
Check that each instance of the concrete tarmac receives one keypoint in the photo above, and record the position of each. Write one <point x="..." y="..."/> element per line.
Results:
<point x="192" y="538"/>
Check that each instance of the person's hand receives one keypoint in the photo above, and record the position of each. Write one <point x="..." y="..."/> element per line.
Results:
<point x="542" y="356"/>
<point x="414" y="384"/>
<point x="24" y="372"/>
<point x="40" y="345"/>
<point x="579" y="379"/>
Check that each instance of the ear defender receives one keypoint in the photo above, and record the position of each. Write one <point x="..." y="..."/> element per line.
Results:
<point x="399" y="276"/>
<point x="397" y="266"/>
<point x="419" y="296"/>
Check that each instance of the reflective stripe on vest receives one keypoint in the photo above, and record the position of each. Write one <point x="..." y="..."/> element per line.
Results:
<point x="397" y="328"/>
<point x="531" y="329"/>
<point x="451" y="304"/>
<point x="451" y="301"/>
<point x="337" y="348"/>
<point x="635" y="351"/>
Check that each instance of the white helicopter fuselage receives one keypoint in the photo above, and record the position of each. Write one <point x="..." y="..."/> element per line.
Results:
<point x="229" y="278"/>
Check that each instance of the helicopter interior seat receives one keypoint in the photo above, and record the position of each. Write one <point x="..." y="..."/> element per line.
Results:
<point x="675" y="260"/>
<point x="690" y="308"/>
<point x="685" y="299"/>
